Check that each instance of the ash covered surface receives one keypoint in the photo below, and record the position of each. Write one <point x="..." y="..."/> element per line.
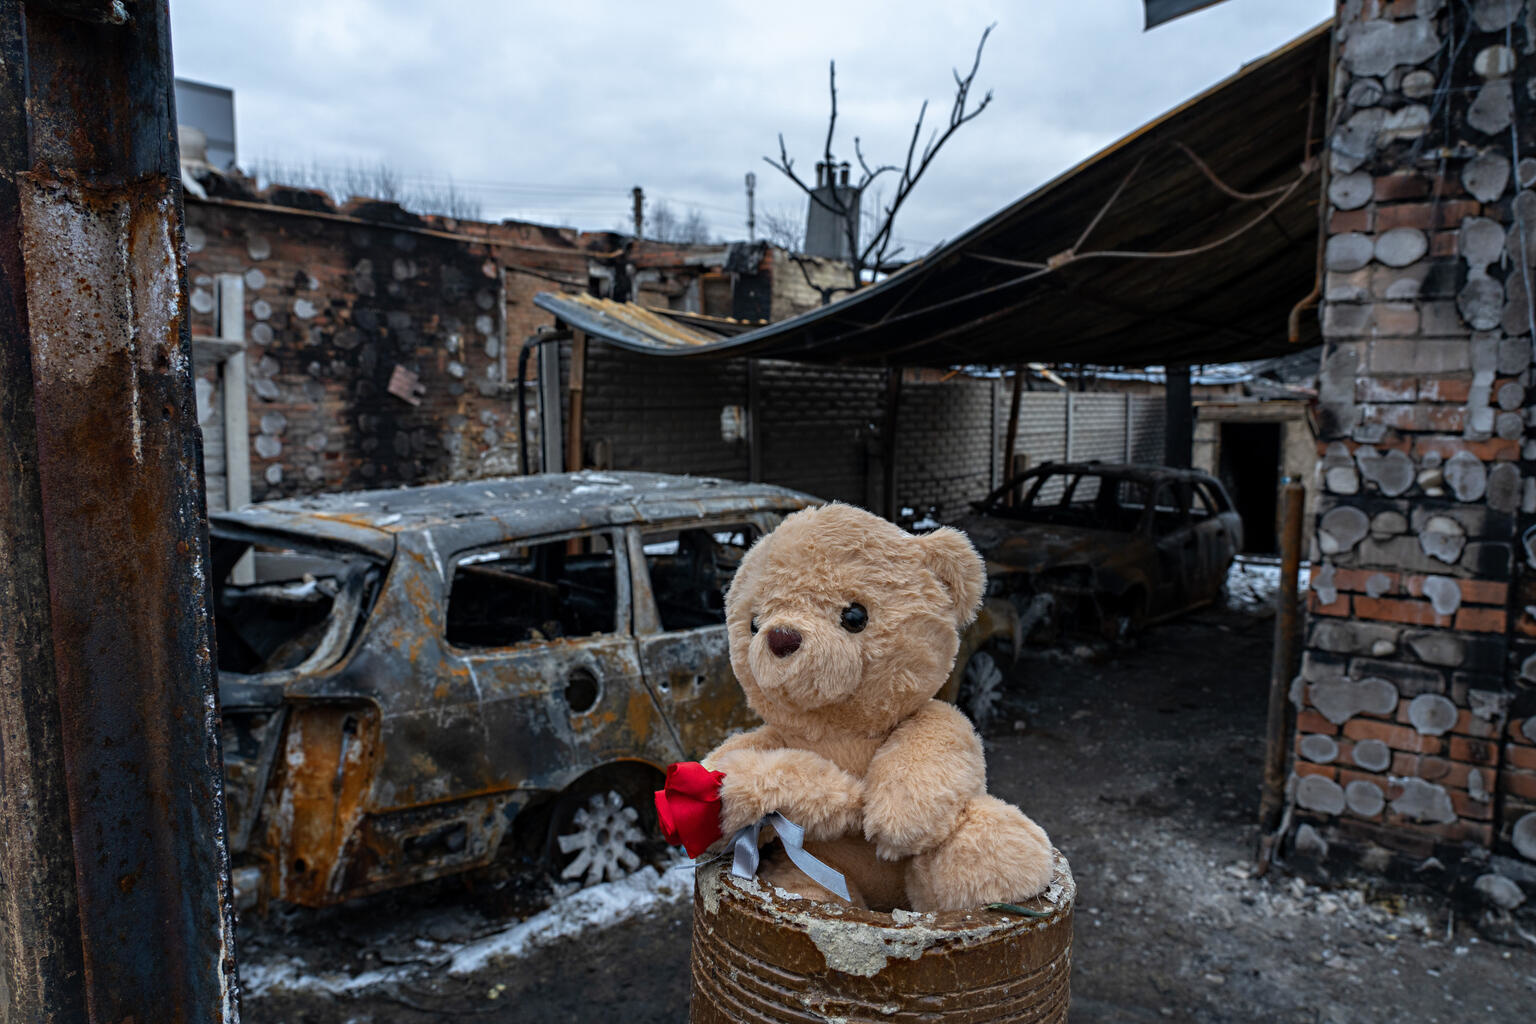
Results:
<point x="1144" y="767"/>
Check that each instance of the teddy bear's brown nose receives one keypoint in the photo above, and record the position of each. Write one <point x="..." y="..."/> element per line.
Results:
<point x="783" y="642"/>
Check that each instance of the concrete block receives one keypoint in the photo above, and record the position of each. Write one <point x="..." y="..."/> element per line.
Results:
<point x="1376" y="47"/>
<point x="1493" y="107"/>
<point x="1364" y="798"/>
<point x="1432" y="714"/>
<point x="1352" y="191"/>
<point x="1401" y="246"/>
<point x="1341" y="700"/>
<point x="1318" y="748"/>
<point x="1416" y="357"/>
<point x="1316" y="793"/>
<point x="1486" y="176"/>
<point x="1410" y="680"/>
<point x="1437" y="647"/>
<point x="1372" y="755"/>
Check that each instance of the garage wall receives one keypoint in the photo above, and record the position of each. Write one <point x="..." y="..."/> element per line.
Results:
<point x="1094" y="424"/>
<point x="662" y="415"/>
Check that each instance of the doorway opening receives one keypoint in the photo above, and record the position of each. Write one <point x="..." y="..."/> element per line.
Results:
<point x="1250" y="468"/>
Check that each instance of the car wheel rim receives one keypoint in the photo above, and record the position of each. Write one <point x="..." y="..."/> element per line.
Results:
<point x="983" y="686"/>
<point x="603" y="834"/>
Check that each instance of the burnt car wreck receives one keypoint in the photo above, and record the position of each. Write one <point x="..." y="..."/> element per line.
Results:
<point x="416" y="681"/>
<point x="1104" y="548"/>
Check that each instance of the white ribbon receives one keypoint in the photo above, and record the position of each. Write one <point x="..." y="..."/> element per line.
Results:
<point x="744" y="861"/>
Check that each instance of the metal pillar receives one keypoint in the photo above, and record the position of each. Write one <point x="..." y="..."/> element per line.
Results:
<point x="115" y="904"/>
<point x="1179" y="420"/>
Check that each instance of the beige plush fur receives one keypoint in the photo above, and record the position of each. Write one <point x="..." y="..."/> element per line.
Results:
<point x="889" y="784"/>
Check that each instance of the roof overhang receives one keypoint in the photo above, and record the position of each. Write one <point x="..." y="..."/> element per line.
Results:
<point x="1188" y="241"/>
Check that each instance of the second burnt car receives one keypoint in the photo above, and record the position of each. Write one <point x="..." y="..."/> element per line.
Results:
<point x="1105" y="547"/>
<point x="413" y="679"/>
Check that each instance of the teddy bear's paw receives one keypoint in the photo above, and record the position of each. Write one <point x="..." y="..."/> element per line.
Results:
<point x="995" y="854"/>
<point x="902" y="828"/>
<point x="744" y="798"/>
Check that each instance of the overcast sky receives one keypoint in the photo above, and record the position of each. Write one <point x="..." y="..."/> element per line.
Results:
<point x="553" y="112"/>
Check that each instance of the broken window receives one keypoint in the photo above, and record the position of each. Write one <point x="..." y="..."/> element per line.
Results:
<point x="690" y="570"/>
<point x="287" y="605"/>
<point x="532" y="593"/>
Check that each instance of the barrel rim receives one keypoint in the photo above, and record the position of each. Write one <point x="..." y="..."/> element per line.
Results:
<point x="713" y="882"/>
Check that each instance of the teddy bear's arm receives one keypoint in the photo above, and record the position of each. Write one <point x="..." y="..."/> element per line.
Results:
<point x="805" y="787"/>
<point x="920" y="779"/>
<point x="764" y="737"/>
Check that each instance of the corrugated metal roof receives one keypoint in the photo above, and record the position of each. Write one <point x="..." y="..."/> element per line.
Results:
<point x="1215" y="190"/>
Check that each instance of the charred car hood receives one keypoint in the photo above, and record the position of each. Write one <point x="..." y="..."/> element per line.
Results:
<point x="1031" y="547"/>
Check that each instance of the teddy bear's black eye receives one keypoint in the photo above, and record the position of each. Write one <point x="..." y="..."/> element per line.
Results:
<point x="855" y="618"/>
<point x="753" y="625"/>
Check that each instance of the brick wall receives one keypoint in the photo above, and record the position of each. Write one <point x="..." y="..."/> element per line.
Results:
<point x="332" y="308"/>
<point x="663" y="415"/>
<point x="1412" y="735"/>
<point x="946" y="444"/>
<point x="820" y="429"/>
<point x="335" y="300"/>
<point x="797" y="290"/>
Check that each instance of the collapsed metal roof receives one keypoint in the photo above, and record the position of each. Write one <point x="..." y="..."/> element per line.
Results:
<point x="1188" y="241"/>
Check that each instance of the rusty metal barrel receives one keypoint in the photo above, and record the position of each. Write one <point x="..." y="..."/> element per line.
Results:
<point x="763" y="955"/>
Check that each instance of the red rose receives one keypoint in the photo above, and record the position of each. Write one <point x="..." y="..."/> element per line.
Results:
<point x="689" y="806"/>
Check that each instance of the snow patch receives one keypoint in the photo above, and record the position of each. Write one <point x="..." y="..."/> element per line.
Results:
<point x="597" y="906"/>
<point x="1253" y="584"/>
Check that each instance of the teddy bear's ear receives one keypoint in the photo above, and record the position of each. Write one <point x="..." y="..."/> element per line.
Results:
<point x="948" y="554"/>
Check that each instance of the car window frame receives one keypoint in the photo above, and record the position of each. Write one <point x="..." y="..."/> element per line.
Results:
<point x="645" y="610"/>
<point x="623" y="593"/>
<point x="1180" y="506"/>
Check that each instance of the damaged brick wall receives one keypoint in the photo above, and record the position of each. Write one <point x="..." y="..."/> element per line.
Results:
<point x="332" y="309"/>
<point x="1415" y="700"/>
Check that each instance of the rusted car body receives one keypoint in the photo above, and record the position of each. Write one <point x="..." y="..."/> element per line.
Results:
<point x="1104" y="547"/>
<point x="411" y="679"/>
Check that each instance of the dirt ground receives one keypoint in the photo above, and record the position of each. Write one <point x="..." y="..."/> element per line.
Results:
<point x="1144" y="767"/>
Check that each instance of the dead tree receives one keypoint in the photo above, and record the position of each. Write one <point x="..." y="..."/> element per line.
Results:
<point x="877" y="251"/>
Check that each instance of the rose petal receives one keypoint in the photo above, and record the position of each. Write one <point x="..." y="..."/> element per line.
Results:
<point x="664" y="816"/>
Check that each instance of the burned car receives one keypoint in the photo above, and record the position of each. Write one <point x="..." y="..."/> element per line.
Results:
<point x="1105" y="548"/>
<point x="416" y="681"/>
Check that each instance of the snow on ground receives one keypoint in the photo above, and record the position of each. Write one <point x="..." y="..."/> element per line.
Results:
<point x="1253" y="583"/>
<point x="597" y="906"/>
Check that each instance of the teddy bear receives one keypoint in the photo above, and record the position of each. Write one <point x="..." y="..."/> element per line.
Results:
<point x="842" y="629"/>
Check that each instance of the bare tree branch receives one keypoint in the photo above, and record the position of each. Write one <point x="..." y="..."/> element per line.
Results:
<point x="877" y="252"/>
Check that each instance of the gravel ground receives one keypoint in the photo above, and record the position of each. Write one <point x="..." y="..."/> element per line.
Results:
<point x="1144" y="767"/>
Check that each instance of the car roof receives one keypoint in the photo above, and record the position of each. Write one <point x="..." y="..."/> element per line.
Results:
<point x="475" y="512"/>
<point x="1143" y="472"/>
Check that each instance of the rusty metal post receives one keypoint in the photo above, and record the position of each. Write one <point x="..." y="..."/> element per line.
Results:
<point x="115" y="900"/>
<point x="1011" y="442"/>
<point x="1283" y="668"/>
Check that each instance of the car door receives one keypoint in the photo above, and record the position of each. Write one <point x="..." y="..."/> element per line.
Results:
<point x="1217" y="545"/>
<point x="539" y="646"/>
<point x="1176" y="543"/>
<point x="681" y="572"/>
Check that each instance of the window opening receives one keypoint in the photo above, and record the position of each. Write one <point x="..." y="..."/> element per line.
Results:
<point x="533" y="593"/>
<point x="299" y="599"/>
<point x="690" y="571"/>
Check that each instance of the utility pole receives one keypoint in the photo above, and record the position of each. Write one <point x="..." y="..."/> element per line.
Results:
<point x="751" y="213"/>
<point x="639" y="196"/>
